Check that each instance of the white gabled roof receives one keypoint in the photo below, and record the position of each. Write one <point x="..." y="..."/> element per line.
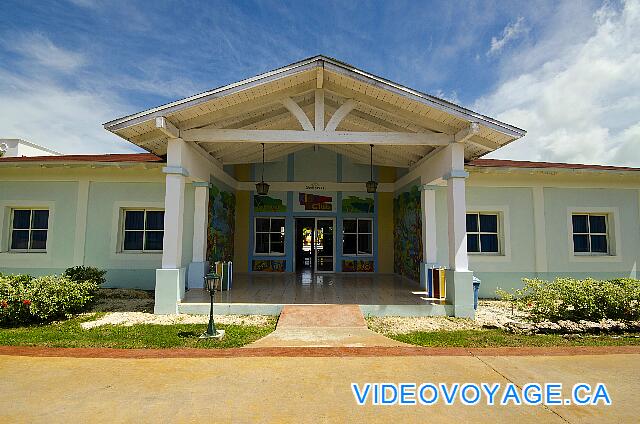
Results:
<point x="253" y="103"/>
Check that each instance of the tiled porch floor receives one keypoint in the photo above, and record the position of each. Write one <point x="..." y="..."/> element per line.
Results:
<point x="306" y="288"/>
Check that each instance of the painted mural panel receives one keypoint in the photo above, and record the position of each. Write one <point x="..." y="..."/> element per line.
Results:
<point x="357" y="203"/>
<point x="269" y="265"/>
<point x="222" y="210"/>
<point x="305" y="201"/>
<point x="358" y="265"/>
<point x="407" y="229"/>
<point x="273" y="202"/>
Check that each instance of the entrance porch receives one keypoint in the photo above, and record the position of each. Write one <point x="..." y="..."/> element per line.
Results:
<point x="374" y="164"/>
<point x="261" y="293"/>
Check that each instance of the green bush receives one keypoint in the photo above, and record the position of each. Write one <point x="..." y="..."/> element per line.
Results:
<point x="86" y="273"/>
<point x="24" y="299"/>
<point x="574" y="300"/>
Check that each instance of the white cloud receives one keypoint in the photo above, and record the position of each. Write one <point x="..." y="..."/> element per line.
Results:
<point x="582" y="104"/>
<point x="40" y="49"/>
<point x="509" y="33"/>
<point x="69" y="121"/>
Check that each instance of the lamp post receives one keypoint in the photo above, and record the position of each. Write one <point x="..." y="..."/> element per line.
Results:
<point x="212" y="283"/>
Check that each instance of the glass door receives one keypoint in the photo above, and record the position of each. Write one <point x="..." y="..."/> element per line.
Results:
<point x="324" y="245"/>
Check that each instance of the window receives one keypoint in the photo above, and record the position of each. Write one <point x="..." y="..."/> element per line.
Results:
<point x="269" y="236"/>
<point x="483" y="233"/>
<point x="590" y="235"/>
<point x="357" y="237"/>
<point x="29" y="229"/>
<point x="143" y="230"/>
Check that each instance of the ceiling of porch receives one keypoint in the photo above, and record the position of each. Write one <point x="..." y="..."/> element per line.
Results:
<point x="277" y="101"/>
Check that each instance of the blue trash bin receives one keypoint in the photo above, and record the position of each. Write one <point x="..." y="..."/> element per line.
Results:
<point x="476" y="289"/>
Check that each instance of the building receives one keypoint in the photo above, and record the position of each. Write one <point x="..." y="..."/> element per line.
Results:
<point x="318" y="132"/>
<point x="15" y="147"/>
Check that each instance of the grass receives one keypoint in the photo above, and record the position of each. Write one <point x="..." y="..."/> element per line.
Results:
<point x="499" y="338"/>
<point x="70" y="334"/>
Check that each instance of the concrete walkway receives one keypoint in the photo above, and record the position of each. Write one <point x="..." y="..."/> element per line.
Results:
<point x="323" y="326"/>
<point x="297" y="389"/>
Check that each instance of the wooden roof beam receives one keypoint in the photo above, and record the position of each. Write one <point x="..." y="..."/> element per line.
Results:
<point x="315" y="137"/>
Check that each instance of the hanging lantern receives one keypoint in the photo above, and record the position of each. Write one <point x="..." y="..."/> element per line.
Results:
<point x="372" y="185"/>
<point x="262" y="188"/>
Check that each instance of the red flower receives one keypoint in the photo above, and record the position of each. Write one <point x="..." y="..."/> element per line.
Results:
<point x="26" y="302"/>
<point x="4" y="304"/>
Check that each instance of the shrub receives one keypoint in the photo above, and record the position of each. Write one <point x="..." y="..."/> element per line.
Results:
<point x="574" y="300"/>
<point x="17" y="278"/>
<point x="86" y="273"/>
<point x="42" y="299"/>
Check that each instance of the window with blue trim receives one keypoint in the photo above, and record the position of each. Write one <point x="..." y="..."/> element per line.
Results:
<point x="357" y="236"/>
<point x="269" y="236"/>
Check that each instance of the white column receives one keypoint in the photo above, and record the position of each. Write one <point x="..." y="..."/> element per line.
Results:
<point x="200" y="221"/>
<point x="429" y="246"/>
<point x="459" y="285"/>
<point x="170" y="279"/>
<point x="429" y="225"/>
<point x="457" y="221"/>
<point x="199" y="264"/>
<point x="173" y="221"/>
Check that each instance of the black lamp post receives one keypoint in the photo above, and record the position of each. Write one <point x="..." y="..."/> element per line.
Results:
<point x="212" y="283"/>
<point x="262" y="188"/>
<point x="372" y="185"/>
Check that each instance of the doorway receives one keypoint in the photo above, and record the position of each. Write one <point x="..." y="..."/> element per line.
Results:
<point x="315" y="247"/>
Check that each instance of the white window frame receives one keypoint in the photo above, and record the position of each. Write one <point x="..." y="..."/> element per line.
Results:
<point x="498" y="232"/>
<point x="123" y="230"/>
<point x="11" y="229"/>
<point x="589" y="234"/>
<point x="504" y="234"/>
<point x="613" y="235"/>
<point x="256" y="232"/>
<point x="357" y="234"/>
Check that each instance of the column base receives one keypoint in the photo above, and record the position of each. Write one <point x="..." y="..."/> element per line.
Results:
<point x="169" y="290"/>
<point x="460" y="293"/>
<point x="196" y="273"/>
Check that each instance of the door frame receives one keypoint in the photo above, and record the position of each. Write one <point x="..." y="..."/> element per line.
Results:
<point x="314" y="254"/>
<point x="315" y="251"/>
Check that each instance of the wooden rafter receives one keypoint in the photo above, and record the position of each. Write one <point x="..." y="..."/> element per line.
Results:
<point x="296" y="111"/>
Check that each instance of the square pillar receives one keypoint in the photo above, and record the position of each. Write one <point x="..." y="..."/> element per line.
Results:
<point x="459" y="279"/>
<point x="170" y="279"/>
<point x="429" y="241"/>
<point x="199" y="264"/>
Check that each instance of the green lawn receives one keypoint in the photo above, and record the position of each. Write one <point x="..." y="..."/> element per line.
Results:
<point x="70" y="334"/>
<point x="497" y="338"/>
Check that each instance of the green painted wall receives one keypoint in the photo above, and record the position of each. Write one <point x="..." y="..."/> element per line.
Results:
<point x="105" y="200"/>
<point x="61" y="199"/>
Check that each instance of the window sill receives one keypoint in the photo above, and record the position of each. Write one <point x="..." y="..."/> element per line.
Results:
<point x="266" y="255"/>
<point x="594" y="258"/>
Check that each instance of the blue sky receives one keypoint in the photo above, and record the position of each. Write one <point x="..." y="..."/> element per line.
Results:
<point x="562" y="70"/>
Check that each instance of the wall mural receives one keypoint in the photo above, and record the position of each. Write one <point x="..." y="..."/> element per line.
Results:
<point x="358" y="265"/>
<point x="315" y="202"/>
<point x="222" y="211"/>
<point x="269" y="265"/>
<point x="357" y="204"/>
<point x="407" y="238"/>
<point x="268" y="204"/>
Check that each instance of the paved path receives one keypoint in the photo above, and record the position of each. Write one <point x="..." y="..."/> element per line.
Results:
<point x="295" y="389"/>
<point x="322" y="326"/>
